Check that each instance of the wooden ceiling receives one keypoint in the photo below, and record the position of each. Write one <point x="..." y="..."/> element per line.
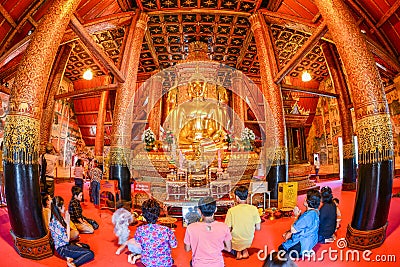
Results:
<point x="173" y="24"/>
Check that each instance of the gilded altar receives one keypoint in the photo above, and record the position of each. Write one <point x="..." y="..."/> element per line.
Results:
<point x="195" y="178"/>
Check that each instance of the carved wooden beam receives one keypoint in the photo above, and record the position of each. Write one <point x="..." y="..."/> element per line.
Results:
<point x="383" y="54"/>
<point x="125" y="5"/>
<point x="100" y="24"/>
<point x="354" y="5"/>
<point x="274" y="5"/>
<point x="199" y="11"/>
<point x="287" y="87"/>
<point x="7" y="16"/>
<point x="32" y="21"/>
<point x="7" y="41"/>
<point x="91" y="26"/>
<point x="151" y="48"/>
<point x="316" y="18"/>
<point x="87" y="92"/>
<point x="302" y="52"/>
<point x="95" y="49"/>
<point x="5" y="90"/>
<point x="288" y="21"/>
<point x="243" y="50"/>
<point x="295" y="24"/>
<point x="388" y="14"/>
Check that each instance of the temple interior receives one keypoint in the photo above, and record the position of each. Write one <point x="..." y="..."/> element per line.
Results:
<point x="179" y="100"/>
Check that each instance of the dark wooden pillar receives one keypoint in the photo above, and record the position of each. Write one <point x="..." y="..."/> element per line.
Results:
<point x="272" y="93"/>
<point x="339" y="82"/>
<point x="22" y="132"/>
<point x="374" y="130"/>
<point x="121" y="130"/>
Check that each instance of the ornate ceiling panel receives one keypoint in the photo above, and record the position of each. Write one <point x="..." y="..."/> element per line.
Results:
<point x="233" y="5"/>
<point x="81" y="60"/>
<point x="288" y="42"/>
<point x="171" y="34"/>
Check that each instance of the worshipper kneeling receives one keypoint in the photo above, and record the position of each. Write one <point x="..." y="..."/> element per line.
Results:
<point x="303" y="234"/>
<point x="60" y="232"/>
<point x="75" y="209"/>
<point x="327" y="217"/>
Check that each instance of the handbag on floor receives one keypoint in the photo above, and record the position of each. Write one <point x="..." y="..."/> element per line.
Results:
<point x="92" y="222"/>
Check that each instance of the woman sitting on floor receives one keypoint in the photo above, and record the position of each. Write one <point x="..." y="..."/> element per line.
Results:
<point x="60" y="232"/>
<point x="327" y="217"/>
<point x="75" y="209"/>
<point x="303" y="235"/>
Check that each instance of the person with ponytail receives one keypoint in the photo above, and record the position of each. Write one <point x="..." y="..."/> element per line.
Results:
<point x="59" y="227"/>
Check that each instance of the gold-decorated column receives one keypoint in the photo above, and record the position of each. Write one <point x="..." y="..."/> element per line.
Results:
<point x="238" y="103"/>
<point x="120" y="139"/>
<point x="374" y="130"/>
<point x="21" y="133"/>
<point x="272" y="93"/>
<point x="101" y="118"/>
<point x="56" y="76"/>
<point x="339" y="82"/>
<point x="154" y="118"/>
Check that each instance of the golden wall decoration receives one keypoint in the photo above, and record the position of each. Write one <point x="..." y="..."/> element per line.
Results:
<point x="280" y="156"/>
<point x="119" y="156"/>
<point x="21" y="135"/>
<point x="349" y="151"/>
<point x="375" y="139"/>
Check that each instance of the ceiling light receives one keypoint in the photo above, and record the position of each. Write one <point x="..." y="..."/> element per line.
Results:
<point x="88" y="74"/>
<point x="306" y="76"/>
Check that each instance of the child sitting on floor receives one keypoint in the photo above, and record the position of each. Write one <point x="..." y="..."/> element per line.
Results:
<point x="338" y="213"/>
<point x="121" y="219"/>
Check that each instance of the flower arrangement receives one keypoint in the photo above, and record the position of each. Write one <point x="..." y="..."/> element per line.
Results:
<point x="148" y="137"/>
<point x="229" y="138"/>
<point x="169" y="137"/>
<point x="247" y="135"/>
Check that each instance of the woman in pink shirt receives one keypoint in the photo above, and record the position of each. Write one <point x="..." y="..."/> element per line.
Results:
<point x="207" y="238"/>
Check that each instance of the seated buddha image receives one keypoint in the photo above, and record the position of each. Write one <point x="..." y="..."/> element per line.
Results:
<point x="197" y="87"/>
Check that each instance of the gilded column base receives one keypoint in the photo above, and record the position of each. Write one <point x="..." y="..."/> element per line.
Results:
<point x="36" y="249"/>
<point x="349" y="186"/>
<point x="364" y="240"/>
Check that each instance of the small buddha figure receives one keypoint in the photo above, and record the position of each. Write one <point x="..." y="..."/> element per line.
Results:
<point x="222" y="95"/>
<point x="172" y="99"/>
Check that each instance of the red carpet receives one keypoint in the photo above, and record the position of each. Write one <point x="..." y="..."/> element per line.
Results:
<point x="103" y="241"/>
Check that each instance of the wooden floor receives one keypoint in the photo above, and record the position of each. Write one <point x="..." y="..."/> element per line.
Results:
<point x="103" y="241"/>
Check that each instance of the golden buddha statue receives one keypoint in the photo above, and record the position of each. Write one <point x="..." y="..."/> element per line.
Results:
<point x="200" y="118"/>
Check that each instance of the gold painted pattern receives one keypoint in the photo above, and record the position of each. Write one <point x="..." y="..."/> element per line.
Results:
<point x="375" y="139"/>
<point x="271" y="91"/>
<point x="119" y="156"/>
<point x="21" y="135"/>
<point x="365" y="82"/>
<point x="121" y="123"/>
<point x="33" y="72"/>
<point x="349" y="151"/>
